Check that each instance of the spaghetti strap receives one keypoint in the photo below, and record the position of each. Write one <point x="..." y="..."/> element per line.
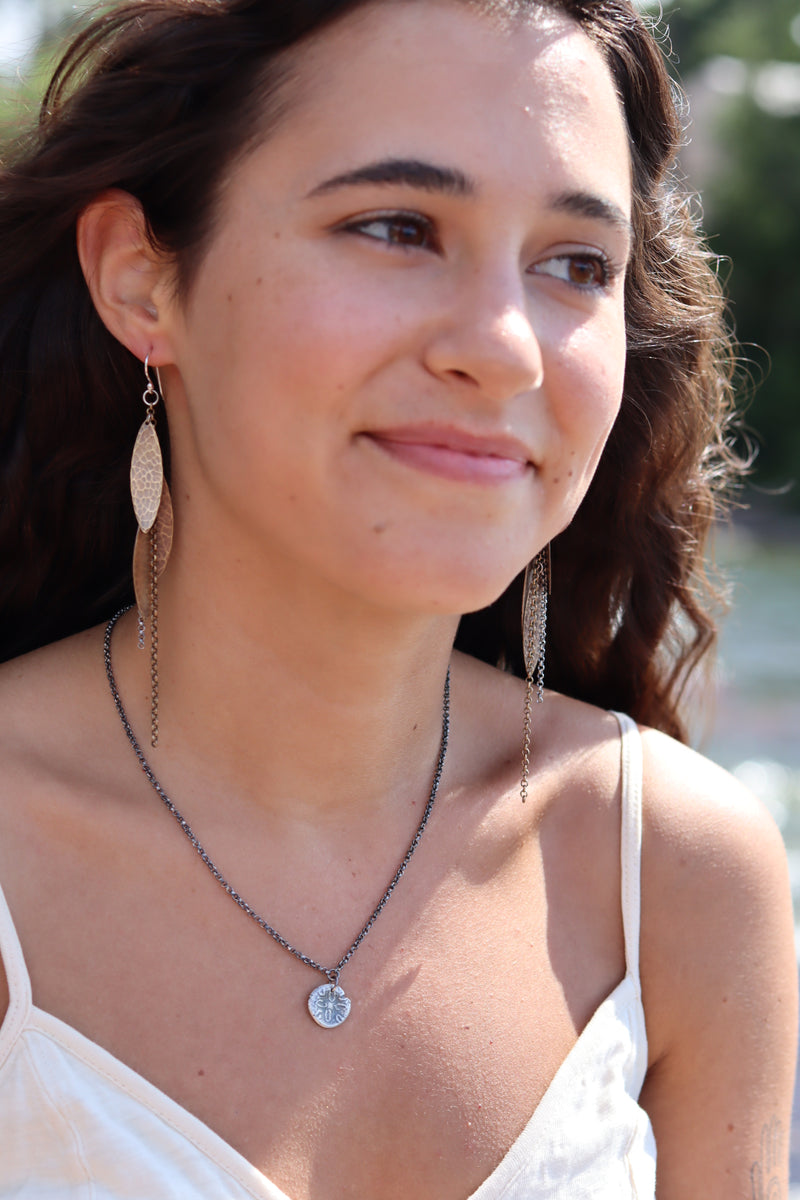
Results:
<point x="19" y="983"/>
<point x="631" y="838"/>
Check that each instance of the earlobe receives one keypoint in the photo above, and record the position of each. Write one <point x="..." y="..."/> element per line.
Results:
<point x="128" y="280"/>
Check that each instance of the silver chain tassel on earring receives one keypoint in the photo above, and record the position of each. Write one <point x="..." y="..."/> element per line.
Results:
<point x="153" y="507"/>
<point x="534" y="631"/>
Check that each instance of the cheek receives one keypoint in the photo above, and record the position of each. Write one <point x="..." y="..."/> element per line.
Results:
<point x="304" y="318"/>
<point x="591" y="368"/>
<point x="262" y="363"/>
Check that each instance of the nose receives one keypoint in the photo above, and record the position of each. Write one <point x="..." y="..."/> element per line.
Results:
<point x="486" y="337"/>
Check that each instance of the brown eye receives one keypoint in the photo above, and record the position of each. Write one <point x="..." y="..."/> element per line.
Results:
<point x="586" y="272"/>
<point x="397" y="229"/>
<point x="407" y="233"/>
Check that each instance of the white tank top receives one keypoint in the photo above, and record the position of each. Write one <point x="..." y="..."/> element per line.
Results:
<point x="77" y="1124"/>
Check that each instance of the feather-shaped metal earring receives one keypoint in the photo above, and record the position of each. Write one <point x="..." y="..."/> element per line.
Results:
<point x="152" y="505"/>
<point x="534" y="633"/>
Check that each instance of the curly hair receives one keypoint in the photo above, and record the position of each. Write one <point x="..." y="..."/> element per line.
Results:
<point x="160" y="98"/>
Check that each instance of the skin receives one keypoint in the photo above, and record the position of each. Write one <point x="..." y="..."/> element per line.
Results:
<point x="324" y="563"/>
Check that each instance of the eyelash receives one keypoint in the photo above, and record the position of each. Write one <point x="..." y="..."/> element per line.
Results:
<point x="608" y="271"/>
<point x="395" y="220"/>
<point x="426" y="231"/>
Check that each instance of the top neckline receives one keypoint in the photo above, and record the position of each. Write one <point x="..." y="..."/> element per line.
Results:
<point x="214" y="1147"/>
<point x="23" y="1013"/>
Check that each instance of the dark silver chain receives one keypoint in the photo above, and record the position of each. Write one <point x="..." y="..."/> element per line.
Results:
<point x="332" y="973"/>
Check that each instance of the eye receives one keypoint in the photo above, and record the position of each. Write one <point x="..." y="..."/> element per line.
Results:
<point x="583" y="270"/>
<point x="396" y="229"/>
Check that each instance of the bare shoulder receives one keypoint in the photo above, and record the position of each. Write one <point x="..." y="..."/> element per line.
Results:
<point x="52" y="727"/>
<point x="563" y="728"/>
<point x="56" y="742"/>
<point x="575" y="769"/>
<point x="716" y="897"/>
<point x="719" y="974"/>
<point x="713" y="854"/>
<point x="48" y="698"/>
<point x="717" y="927"/>
<point x="573" y="809"/>
<point x="695" y="802"/>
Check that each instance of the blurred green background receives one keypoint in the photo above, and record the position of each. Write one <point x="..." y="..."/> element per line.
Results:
<point x="739" y="64"/>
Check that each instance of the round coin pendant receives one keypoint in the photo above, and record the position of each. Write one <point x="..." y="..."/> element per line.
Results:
<point x="328" y="1005"/>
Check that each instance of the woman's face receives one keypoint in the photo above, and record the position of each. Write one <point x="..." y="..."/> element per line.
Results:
<point x="404" y="348"/>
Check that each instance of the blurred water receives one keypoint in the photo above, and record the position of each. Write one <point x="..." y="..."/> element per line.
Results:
<point x="756" y="722"/>
<point x="756" y="725"/>
<point x="758" y="713"/>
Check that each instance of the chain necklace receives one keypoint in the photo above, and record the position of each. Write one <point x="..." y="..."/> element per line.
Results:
<point x="327" y="1004"/>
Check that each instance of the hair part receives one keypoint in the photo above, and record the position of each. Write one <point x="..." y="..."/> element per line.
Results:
<point x="161" y="98"/>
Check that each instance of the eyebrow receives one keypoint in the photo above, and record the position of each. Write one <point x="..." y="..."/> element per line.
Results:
<point x="450" y="181"/>
<point x="409" y="171"/>
<point x="585" y="204"/>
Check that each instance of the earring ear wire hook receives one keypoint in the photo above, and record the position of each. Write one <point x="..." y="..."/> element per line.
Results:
<point x="158" y="384"/>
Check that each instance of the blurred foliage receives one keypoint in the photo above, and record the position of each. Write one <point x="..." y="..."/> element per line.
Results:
<point x="751" y="197"/>
<point x="21" y="89"/>
<point x="754" y="210"/>
<point x="701" y="29"/>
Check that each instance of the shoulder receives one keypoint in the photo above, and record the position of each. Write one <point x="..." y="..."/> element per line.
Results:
<point x="48" y="697"/>
<point x="575" y="747"/>
<point x="715" y="876"/>
<point x="574" y="760"/>
<point x="716" y="903"/>
<point x="57" y="759"/>
<point x="573" y="808"/>
<point x="719" y="974"/>
<point x="54" y="746"/>
<point x="702" y="824"/>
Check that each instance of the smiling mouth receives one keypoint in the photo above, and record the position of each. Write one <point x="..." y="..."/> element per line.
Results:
<point x="454" y="454"/>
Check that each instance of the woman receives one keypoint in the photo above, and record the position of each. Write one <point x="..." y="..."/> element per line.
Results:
<point x="416" y="295"/>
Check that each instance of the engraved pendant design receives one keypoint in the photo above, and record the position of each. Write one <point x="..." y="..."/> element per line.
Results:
<point x="147" y="476"/>
<point x="328" y="1005"/>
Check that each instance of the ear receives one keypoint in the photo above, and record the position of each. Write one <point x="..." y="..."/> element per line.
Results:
<point x="129" y="282"/>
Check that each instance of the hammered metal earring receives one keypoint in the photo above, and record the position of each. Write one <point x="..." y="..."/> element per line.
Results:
<point x="534" y="631"/>
<point x="153" y="507"/>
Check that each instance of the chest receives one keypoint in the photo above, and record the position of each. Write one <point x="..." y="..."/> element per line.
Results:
<point x="461" y="1014"/>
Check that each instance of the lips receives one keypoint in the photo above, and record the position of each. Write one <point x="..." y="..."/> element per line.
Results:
<point x="455" y="454"/>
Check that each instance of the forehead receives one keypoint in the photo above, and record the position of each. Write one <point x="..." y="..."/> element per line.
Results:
<point x="511" y="87"/>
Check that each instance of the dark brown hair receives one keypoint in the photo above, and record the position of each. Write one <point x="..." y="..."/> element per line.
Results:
<point x="159" y="98"/>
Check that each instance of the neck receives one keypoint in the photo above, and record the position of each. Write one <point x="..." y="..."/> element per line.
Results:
<point x="289" y="696"/>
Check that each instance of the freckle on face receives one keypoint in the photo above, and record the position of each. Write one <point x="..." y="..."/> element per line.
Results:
<point x="339" y="336"/>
